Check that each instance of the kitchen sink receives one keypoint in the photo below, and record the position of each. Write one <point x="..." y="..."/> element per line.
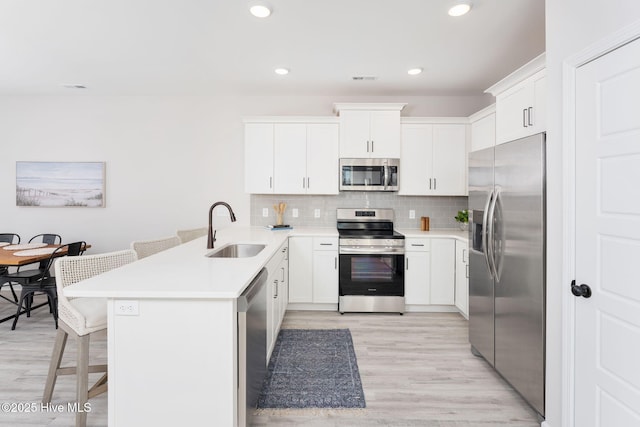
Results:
<point x="237" y="250"/>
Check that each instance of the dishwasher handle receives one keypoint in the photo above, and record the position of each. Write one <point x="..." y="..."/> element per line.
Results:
<point x="246" y="299"/>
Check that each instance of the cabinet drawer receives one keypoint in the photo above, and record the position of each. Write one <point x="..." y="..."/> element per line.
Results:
<point x="417" y="245"/>
<point x="325" y="243"/>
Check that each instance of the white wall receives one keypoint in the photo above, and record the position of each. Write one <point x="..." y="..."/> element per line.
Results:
<point x="571" y="26"/>
<point x="167" y="158"/>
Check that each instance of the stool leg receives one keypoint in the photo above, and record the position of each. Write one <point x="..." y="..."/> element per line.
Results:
<point x="54" y="365"/>
<point x="82" y="379"/>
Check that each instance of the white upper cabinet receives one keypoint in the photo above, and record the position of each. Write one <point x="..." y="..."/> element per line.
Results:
<point x="258" y="158"/>
<point x="322" y="158"/>
<point x="369" y="130"/>
<point x="433" y="159"/>
<point x="521" y="102"/>
<point x="291" y="157"/>
<point x="483" y="128"/>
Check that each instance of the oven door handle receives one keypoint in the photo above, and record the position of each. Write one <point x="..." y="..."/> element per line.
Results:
<point x="371" y="251"/>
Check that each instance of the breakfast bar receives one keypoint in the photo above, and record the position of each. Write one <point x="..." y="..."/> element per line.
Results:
<point x="172" y="330"/>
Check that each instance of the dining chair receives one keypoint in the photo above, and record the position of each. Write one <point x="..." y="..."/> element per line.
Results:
<point x="49" y="239"/>
<point x="40" y="281"/>
<point x="191" y="234"/>
<point x="80" y="318"/>
<point x="145" y="248"/>
<point x="12" y="239"/>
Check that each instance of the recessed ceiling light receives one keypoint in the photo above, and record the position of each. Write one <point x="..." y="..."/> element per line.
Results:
<point x="281" y="71"/>
<point x="414" y="71"/>
<point x="73" y="86"/>
<point x="259" y="9"/>
<point x="460" y="8"/>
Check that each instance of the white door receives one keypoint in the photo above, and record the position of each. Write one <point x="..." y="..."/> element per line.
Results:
<point x="290" y="158"/>
<point x="449" y="160"/>
<point x="415" y="160"/>
<point x="354" y="134"/>
<point x="322" y="158"/>
<point x="258" y="158"/>
<point x="416" y="277"/>
<point x="607" y="221"/>
<point x="443" y="265"/>
<point x="385" y="134"/>
<point x="325" y="277"/>
<point x="300" y="270"/>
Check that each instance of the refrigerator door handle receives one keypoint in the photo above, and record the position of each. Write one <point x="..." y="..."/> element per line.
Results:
<point x="485" y="232"/>
<point x="491" y="232"/>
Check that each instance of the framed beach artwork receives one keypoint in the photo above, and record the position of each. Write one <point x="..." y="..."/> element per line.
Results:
<point x="60" y="184"/>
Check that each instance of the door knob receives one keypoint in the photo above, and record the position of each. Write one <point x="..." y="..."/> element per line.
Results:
<point x="580" y="290"/>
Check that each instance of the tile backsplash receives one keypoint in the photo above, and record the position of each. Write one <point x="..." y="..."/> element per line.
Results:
<point x="439" y="209"/>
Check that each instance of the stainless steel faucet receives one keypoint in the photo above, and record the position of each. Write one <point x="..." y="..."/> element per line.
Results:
<point x="212" y="234"/>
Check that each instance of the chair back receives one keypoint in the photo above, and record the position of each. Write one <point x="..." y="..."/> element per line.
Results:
<point x="10" y="238"/>
<point x="49" y="239"/>
<point x="191" y="234"/>
<point x="145" y="248"/>
<point x="71" y="249"/>
<point x="70" y="270"/>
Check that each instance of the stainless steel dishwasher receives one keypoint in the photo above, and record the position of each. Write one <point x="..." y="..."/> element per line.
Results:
<point x="252" y="346"/>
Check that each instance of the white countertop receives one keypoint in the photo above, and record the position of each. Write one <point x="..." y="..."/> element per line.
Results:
<point x="453" y="233"/>
<point x="185" y="272"/>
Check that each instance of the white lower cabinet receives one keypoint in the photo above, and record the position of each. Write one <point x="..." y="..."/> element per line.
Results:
<point x="429" y="271"/>
<point x="313" y="274"/>
<point x="462" y="277"/>
<point x="277" y="294"/>
<point x="416" y="271"/>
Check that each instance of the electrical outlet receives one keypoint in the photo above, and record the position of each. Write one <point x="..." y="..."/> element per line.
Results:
<point x="265" y="212"/>
<point x="126" y="308"/>
<point x="294" y="212"/>
<point x="316" y="213"/>
<point x="412" y="214"/>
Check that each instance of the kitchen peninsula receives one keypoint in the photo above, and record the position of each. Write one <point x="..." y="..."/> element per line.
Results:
<point x="172" y="331"/>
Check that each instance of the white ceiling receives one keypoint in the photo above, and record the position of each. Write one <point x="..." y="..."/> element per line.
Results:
<point x="208" y="47"/>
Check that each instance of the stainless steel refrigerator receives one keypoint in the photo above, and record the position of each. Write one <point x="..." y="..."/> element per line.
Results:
<point x="507" y="262"/>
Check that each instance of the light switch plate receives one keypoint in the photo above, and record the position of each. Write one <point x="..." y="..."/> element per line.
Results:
<point x="412" y="214"/>
<point x="265" y="212"/>
<point x="294" y="212"/>
<point x="316" y="213"/>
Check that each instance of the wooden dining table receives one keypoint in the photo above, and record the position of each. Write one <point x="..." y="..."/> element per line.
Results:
<point x="9" y="259"/>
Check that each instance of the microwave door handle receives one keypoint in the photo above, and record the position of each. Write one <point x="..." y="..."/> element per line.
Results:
<point x="386" y="177"/>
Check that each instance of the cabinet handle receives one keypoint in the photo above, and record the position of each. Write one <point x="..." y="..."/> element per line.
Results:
<point x="308" y="182"/>
<point x="467" y="271"/>
<point x="529" y="113"/>
<point x="303" y="182"/>
<point x="367" y="146"/>
<point x="326" y="244"/>
<point x="435" y="184"/>
<point x="464" y="255"/>
<point x="407" y="261"/>
<point x="524" y="118"/>
<point x="417" y="244"/>
<point x="282" y="268"/>
<point x="335" y="263"/>
<point x="372" y="149"/>
<point x="270" y="182"/>
<point x="275" y="288"/>
<point x="429" y="183"/>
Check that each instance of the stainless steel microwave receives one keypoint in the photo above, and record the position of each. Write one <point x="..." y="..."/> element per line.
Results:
<point x="369" y="174"/>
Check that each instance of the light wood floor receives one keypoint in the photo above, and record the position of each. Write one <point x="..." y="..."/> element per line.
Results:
<point x="416" y="370"/>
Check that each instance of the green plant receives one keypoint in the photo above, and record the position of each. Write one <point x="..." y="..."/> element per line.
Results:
<point x="463" y="216"/>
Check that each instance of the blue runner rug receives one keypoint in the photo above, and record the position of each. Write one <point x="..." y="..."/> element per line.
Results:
<point x="312" y="368"/>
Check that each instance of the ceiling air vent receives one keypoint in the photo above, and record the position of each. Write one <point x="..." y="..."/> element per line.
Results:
<point x="362" y="78"/>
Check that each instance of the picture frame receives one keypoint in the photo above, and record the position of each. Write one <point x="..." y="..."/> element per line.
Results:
<point x="60" y="184"/>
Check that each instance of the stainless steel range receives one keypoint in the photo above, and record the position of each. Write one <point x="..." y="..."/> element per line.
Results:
<point x="371" y="261"/>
